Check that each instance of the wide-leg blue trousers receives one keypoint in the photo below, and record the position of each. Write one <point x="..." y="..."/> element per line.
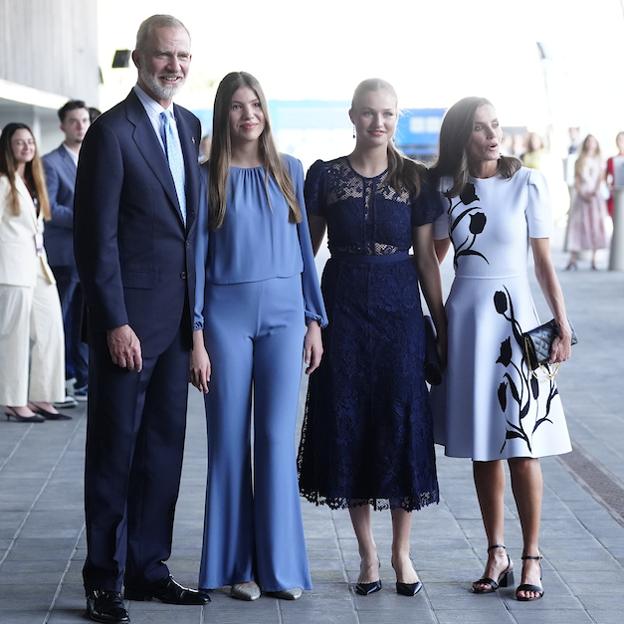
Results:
<point x="253" y="530"/>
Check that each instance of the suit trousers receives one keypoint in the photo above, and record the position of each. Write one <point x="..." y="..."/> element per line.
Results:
<point x="76" y="351"/>
<point x="31" y="343"/>
<point x="253" y="528"/>
<point x="135" y="442"/>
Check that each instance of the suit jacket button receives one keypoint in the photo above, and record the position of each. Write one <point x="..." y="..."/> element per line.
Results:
<point x="183" y="275"/>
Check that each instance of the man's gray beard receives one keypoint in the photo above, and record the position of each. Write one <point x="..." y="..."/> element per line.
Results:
<point x="162" y="93"/>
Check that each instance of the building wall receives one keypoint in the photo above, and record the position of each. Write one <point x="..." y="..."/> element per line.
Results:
<point x="50" y="45"/>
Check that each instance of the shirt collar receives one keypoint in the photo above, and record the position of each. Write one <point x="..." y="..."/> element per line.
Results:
<point x="152" y="107"/>
<point x="72" y="154"/>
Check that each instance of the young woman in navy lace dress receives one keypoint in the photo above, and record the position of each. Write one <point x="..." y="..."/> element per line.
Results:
<point x="367" y="435"/>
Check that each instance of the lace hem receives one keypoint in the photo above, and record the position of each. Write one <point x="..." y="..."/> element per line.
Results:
<point x="408" y="503"/>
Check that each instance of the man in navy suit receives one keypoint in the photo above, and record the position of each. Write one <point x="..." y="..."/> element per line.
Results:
<point x="60" y="172"/>
<point x="137" y="194"/>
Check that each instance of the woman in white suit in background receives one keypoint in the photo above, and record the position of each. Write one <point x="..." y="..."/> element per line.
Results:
<point x="31" y="327"/>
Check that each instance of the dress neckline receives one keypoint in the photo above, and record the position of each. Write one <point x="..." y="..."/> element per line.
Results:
<point x="246" y="168"/>
<point x="357" y="173"/>
<point x="496" y="176"/>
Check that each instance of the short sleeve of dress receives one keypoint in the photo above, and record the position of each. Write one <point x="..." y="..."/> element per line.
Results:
<point x="313" y="189"/>
<point x="538" y="210"/>
<point x="427" y="207"/>
<point x="441" y="227"/>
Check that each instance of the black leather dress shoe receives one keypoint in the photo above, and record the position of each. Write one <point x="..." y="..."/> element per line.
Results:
<point x="168" y="591"/>
<point x="106" y="606"/>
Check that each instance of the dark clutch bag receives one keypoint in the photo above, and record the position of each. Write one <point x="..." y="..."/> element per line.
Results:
<point x="433" y="367"/>
<point x="538" y="343"/>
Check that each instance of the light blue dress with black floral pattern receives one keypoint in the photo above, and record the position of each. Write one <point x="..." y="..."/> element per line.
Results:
<point x="490" y="405"/>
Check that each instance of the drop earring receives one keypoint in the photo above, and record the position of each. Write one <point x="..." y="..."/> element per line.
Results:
<point x="354" y="131"/>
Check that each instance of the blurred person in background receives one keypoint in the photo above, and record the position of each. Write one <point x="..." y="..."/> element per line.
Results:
<point x="60" y="174"/>
<point x="31" y="323"/>
<point x="94" y="113"/>
<point x="587" y="229"/>
<point x="615" y="163"/>
<point x="534" y="153"/>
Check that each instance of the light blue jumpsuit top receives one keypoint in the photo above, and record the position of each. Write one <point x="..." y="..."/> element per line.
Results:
<point x="256" y="241"/>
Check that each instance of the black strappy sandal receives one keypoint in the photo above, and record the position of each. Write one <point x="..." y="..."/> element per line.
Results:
<point x="528" y="587"/>
<point x="505" y="578"/>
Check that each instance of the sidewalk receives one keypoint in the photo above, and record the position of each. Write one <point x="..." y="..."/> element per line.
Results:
<point x="42" y="534"/>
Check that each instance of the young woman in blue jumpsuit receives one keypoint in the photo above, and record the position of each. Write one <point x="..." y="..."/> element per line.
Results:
<point x="257" y="290"/>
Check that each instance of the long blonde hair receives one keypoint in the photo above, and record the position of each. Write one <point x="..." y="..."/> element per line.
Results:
<point x="221" y="151"/>
<point x="455" y="133"/>
<point x="33" y="172"/>
<point x="584" y="154"/>
<point x="403" y="172"/>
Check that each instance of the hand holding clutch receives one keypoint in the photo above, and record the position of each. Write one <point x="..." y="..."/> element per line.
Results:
<point x="538" y="343"/>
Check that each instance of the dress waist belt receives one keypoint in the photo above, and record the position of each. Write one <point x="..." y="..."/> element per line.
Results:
<point x="399" y="256"/>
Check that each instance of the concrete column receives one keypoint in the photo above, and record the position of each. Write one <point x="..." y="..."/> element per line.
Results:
<point x="616" y="257"/>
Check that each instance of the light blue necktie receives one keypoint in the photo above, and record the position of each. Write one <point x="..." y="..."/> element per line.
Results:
<point x="173" y="151"/>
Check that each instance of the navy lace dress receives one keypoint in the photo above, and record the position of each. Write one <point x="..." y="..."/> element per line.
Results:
<point x="367" y="434"/>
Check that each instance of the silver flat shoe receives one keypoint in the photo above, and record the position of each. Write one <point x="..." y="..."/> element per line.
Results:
<point x="294" y="593"/>
<point x="245" y="591"/>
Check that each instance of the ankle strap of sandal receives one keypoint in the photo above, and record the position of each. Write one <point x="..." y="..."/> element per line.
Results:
<point x="493" y="546"/>
<point x="533" y="557"/>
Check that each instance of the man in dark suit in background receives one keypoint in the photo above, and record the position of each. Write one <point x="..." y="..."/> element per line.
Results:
<point x="60" y="172"/>
<point x="137" y="194"/>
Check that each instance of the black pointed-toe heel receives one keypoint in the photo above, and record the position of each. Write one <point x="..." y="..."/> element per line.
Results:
<point x="528" y="587"/>
<point x="11" y="414"/>
<point x="408" y="589"/>
<point x="365" y="589"/>
<point x="505" y="578"/>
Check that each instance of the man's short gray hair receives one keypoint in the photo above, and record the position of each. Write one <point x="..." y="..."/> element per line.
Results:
<point x="156" y="21"/>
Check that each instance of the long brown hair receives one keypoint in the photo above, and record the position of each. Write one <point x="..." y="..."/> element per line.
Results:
<point x="221" y="151"/>
<point x="454" y="136"/>
<point x="584" y="154"/>
<point x="33" y="171"/>
<point x="403" y="172"/>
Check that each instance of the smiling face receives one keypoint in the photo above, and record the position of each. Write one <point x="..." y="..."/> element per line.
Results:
<point x="485" y="139"/>
<point x="374" y="116"/>
<point x="23" y="146"/>
<point x="247" y="121"/>
<point x="164" y="63"/>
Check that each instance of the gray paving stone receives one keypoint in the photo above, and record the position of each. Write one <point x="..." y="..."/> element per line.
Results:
<point x="606" y="616"/>
<point x="554" y="616"/>
<point x="25" y="615"/>
<point x="490" y="616"/>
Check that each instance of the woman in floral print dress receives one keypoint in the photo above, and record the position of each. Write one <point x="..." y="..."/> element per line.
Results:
<point x="490" y="407"/>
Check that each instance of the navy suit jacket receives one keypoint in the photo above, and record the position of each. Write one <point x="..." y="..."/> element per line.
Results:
<point x="134" y="254"/>
<point x="60" y="173"/>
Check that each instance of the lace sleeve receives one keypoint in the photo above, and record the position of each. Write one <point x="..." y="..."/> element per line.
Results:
<point x="314" y="189"/>
<point x="427" y="207"/>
